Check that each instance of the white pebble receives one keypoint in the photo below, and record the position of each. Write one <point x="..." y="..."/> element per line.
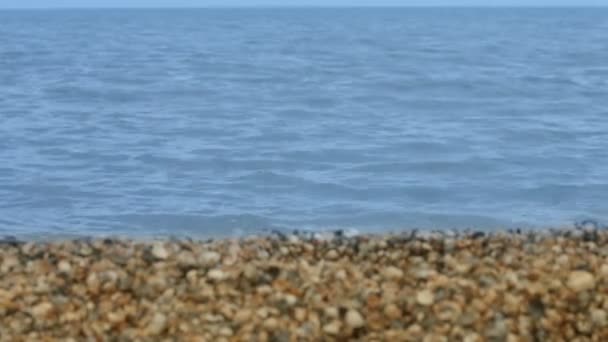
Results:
<point x="159" y="251"/>
<point x="354" y="319"/>
<point x="216" y="274"/>
<point x="425" y="297"/>
<point x="64" y="267"/>
<point x="209" y="258"/>
<point x="332" y="328"/>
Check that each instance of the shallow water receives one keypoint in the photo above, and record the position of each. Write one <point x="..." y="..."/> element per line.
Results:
<point x="219" y="122"/>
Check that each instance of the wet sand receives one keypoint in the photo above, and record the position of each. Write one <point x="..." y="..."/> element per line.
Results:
<point x="550" y="286"/>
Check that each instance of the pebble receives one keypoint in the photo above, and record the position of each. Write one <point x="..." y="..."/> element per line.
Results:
<point x="392" y="272"/>
<point x="392" y="311"/>
<point x="300" y="314"/>
<point x="332" y="255"/>
<point x="290" y="300"/>
<point x="158" y="324"/>
<point x="581" y="281"/>
<point x="9" y="263"/>
<point x="354" y="319"/>
<point x="598" y="316"/>
<point x="332" y="328"/>
<point x="210" y="258"/>
<point x="425" y="297"/>
<point x="216" y="274"/>
<point x="242" y="315"/>
<point x="116" y="317"/>
<point x="271" y="323"/>
<point x="331" y="312"/>
<point x="186" y="259"/>
<point x="159" y="251"/>
<point x="40" y="311"/>
<point x="226" y="331"/>
<point x="64" y="267"/>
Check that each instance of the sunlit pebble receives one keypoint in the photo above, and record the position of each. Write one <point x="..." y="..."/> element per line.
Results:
<point x="159" y="251"/>
<point x="64" y="267"/>
<point x="209" y="258"/>
<point x="425" y="297"/>
<point x="354" y="319"/>
<point x="581" y="281"/>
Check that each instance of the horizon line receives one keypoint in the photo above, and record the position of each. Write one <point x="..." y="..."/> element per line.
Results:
<point x="311" y="7"/>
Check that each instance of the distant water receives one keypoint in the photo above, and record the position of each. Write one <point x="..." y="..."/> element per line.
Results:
<point x="220" y="122"/>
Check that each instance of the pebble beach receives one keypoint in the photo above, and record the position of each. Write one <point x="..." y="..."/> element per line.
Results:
<point x="473" y="287"/>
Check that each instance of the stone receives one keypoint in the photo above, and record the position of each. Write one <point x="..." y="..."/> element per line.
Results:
<point x="210" y="258"/>
<point x="448" y="311"/>
<point x="226" y="331"/>
<point x="580" y="281"/>
<point x="158" y="324"/>
<point x="300" y="314"/>
<point x="598" y="317"/>
<point x="290" y="299"/>
<point x="332" y="328"/>
<point x="393" y="273"/>
<point x="425" y="297"/>
<point x="498" y="329"/>
<point x="250" y="272"/>
<point x="271" y="323"/>
<point x="9" y="263"/>
<point x="262" y="312"/>
<point x="584" y="326"/>
<point x="392" y="311"/>
<point x="265" y="290"/>
<point x="604" y="270"/>
<point x="64" y="267"/>
<point x="513" y="338"/>
<point x="243" y="315"/>
<point x="263" y="254"/>
<point x="332" y="255"/>
<point x="354" y="319"/>
<point x="93" y="281"/>
<point x="472" y="337"/>
<point x="116" y="317"/>
<point x="331" y="312"/>
<point x="42" y="310"/>
<point x="186" y="259"/>
<point x="159" y="251"/>
<point x="216" y="275"/>
<point x="85" y="250"/>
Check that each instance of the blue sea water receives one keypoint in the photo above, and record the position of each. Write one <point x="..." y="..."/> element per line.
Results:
<point x="231" y="121"/>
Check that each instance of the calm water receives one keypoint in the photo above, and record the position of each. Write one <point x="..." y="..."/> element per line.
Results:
<point x="215" y="122"/>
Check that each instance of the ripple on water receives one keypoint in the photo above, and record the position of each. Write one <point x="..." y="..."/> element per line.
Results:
<point x="219" y="122"/>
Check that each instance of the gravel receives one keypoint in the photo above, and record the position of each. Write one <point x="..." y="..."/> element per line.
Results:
<point x="549" y="286"/>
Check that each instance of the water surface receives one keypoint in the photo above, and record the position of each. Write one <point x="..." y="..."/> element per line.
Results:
<point x="214" y="122"/>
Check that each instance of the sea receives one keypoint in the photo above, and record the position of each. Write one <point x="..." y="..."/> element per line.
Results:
<point x="232" y="122"/>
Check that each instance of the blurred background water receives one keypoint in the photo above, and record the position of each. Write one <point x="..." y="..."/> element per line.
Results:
<point x="221" y="122"/>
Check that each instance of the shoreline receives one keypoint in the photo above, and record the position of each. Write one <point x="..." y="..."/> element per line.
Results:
<point x="407" y="286"/>
<point x="309" y="233"/>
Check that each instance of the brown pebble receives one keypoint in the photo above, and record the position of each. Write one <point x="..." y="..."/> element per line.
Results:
<point x="392" y="311"/>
